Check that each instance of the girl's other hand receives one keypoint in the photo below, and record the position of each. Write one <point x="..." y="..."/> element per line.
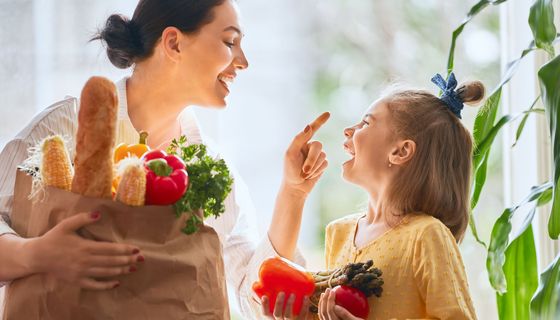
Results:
<point x="328" y="310"/>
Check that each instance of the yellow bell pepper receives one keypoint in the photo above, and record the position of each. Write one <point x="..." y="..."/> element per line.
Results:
<point x="134" y="150"/>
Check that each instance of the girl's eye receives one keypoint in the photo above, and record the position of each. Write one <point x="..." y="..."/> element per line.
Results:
<point x="365" y="123"/>
<point x="229" y="44"/>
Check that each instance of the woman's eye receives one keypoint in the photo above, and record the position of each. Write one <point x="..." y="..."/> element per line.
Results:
<point x="365" y="123"/>
<point x="229" y="44"/>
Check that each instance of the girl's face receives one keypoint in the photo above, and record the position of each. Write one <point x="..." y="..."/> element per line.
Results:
<point x="212" y="56"/>
<point x="370" y="144"/>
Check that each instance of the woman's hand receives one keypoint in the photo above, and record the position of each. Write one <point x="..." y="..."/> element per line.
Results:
<point x="287" y="313"/>
<point x="62" y="253"/>
<point x="305" y="161"/>
<point x="328" y="310"/>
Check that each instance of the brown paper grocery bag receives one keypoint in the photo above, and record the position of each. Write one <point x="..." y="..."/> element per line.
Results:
<point x="181" y="278"/>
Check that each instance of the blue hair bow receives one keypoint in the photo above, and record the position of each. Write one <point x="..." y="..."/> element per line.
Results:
<point x="449" y="95"/>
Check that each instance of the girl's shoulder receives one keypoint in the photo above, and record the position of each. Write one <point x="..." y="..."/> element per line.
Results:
<point x="344" y="224"/>
<point x="427" y="227"/>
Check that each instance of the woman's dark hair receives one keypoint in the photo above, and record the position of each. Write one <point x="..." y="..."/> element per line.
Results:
<point x="131" y="40"/>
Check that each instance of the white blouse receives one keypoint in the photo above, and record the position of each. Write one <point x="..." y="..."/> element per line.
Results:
<point x="235" y="227"/>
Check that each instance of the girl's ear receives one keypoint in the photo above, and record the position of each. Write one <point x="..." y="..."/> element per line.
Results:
<point x="403" y="152"/>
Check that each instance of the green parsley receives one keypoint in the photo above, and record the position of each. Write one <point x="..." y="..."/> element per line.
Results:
<point x="210" y="183"/>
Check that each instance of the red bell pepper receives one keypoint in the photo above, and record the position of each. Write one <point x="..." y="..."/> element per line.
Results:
<point x="353" y="300"/>
<point x="166" y="178"/>
<point x="280" y="275"/>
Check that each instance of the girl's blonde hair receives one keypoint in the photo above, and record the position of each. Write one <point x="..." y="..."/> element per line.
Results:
<point x="437" y="180"/>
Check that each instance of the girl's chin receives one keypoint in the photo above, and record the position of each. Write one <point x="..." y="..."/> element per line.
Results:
<point x="346" y="168"/>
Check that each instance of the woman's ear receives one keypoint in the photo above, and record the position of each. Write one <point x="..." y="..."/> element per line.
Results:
<point x="171" y="38"/>
<point x="403" y="152"/>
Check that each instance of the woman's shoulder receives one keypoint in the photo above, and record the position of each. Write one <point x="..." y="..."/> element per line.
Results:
<point x="58" y="118"/>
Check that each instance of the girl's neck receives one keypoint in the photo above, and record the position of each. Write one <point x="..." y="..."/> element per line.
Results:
<point x="374" y="214"/>
<point x="379" y="211"/>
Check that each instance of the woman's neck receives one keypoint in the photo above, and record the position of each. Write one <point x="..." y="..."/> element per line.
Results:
<point x="153" y="107"/>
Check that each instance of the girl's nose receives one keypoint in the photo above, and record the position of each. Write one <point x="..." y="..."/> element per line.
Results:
<point x="348" y="132"/>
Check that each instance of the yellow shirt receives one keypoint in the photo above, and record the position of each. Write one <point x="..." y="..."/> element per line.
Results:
<point x="424" y="276"/>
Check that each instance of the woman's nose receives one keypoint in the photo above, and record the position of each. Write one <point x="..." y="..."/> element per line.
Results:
<point x="240" y="61"/>
<point x="348" y="132"/>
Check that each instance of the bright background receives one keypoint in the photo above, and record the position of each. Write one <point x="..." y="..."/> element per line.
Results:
<point x="306" y="56"/>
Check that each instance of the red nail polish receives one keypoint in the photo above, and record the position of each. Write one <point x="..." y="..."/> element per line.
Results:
<point x="140" y="258"/>
<point x="132" y="269"/>
<point x="116" y="285"/>
<point x="306" y="169"/>
<point x="307" y="128"/>
<point x="95" y="215"/>
<point x="135" y="251"/>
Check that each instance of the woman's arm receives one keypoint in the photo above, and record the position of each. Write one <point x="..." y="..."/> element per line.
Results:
<point x="68" y="257"/>
<point x="304" y="163"/>
<point x="60" y="252"/>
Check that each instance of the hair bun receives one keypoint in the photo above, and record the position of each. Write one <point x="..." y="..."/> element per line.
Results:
<point x="122" y="39"/>
<point x="471" y="92"/>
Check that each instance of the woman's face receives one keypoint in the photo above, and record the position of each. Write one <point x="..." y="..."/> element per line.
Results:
<point x="212" y="57"/>
<point x="369" y="143"/>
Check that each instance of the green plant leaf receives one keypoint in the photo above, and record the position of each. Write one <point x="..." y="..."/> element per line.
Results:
<point x="545" y="304"/>
<point x="499" y="238"/>
<point x="484" y="123"/>
<point x="476" y="9"/>
<point x="549" y="78"/>
<point x="524" y="120"/>
<point x="520" y="269"/>
<point x="541" y="21"/>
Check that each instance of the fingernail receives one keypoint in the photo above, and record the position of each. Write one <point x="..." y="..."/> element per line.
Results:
<point x="140" y="258"/>
<point x="116" y="285"/>
<point x="132" y="269"/>
<point x="135" y="251"/>
<point x="307" y="128"/>
<point x="95" y="215"/>
<point x="306" y="169"/>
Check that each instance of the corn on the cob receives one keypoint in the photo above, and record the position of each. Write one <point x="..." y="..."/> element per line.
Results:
<point x="132" y="185"/>
<point x="56" y="169"/>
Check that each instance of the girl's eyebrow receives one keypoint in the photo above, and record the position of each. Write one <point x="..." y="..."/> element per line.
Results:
<point x="370" y="116"/>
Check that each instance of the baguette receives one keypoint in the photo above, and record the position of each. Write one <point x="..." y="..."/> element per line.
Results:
<point x="97" y="121"/>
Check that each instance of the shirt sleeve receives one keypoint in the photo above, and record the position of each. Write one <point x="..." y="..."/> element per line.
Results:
<point x="244" y="251"/>
<point x="440" y="275"/>
<point x="328" y="246"/>
<point x="14" y="153"/>
<point x="59" y="118"/>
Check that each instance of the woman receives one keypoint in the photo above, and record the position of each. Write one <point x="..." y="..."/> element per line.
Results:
<point x="184" y="53"/>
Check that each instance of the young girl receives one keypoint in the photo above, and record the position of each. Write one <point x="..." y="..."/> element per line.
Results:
<point x="412" y="155"/>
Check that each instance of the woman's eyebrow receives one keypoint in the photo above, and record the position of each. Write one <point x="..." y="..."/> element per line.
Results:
<point x="234" y="28"/>
<point x="370" y="116"/>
